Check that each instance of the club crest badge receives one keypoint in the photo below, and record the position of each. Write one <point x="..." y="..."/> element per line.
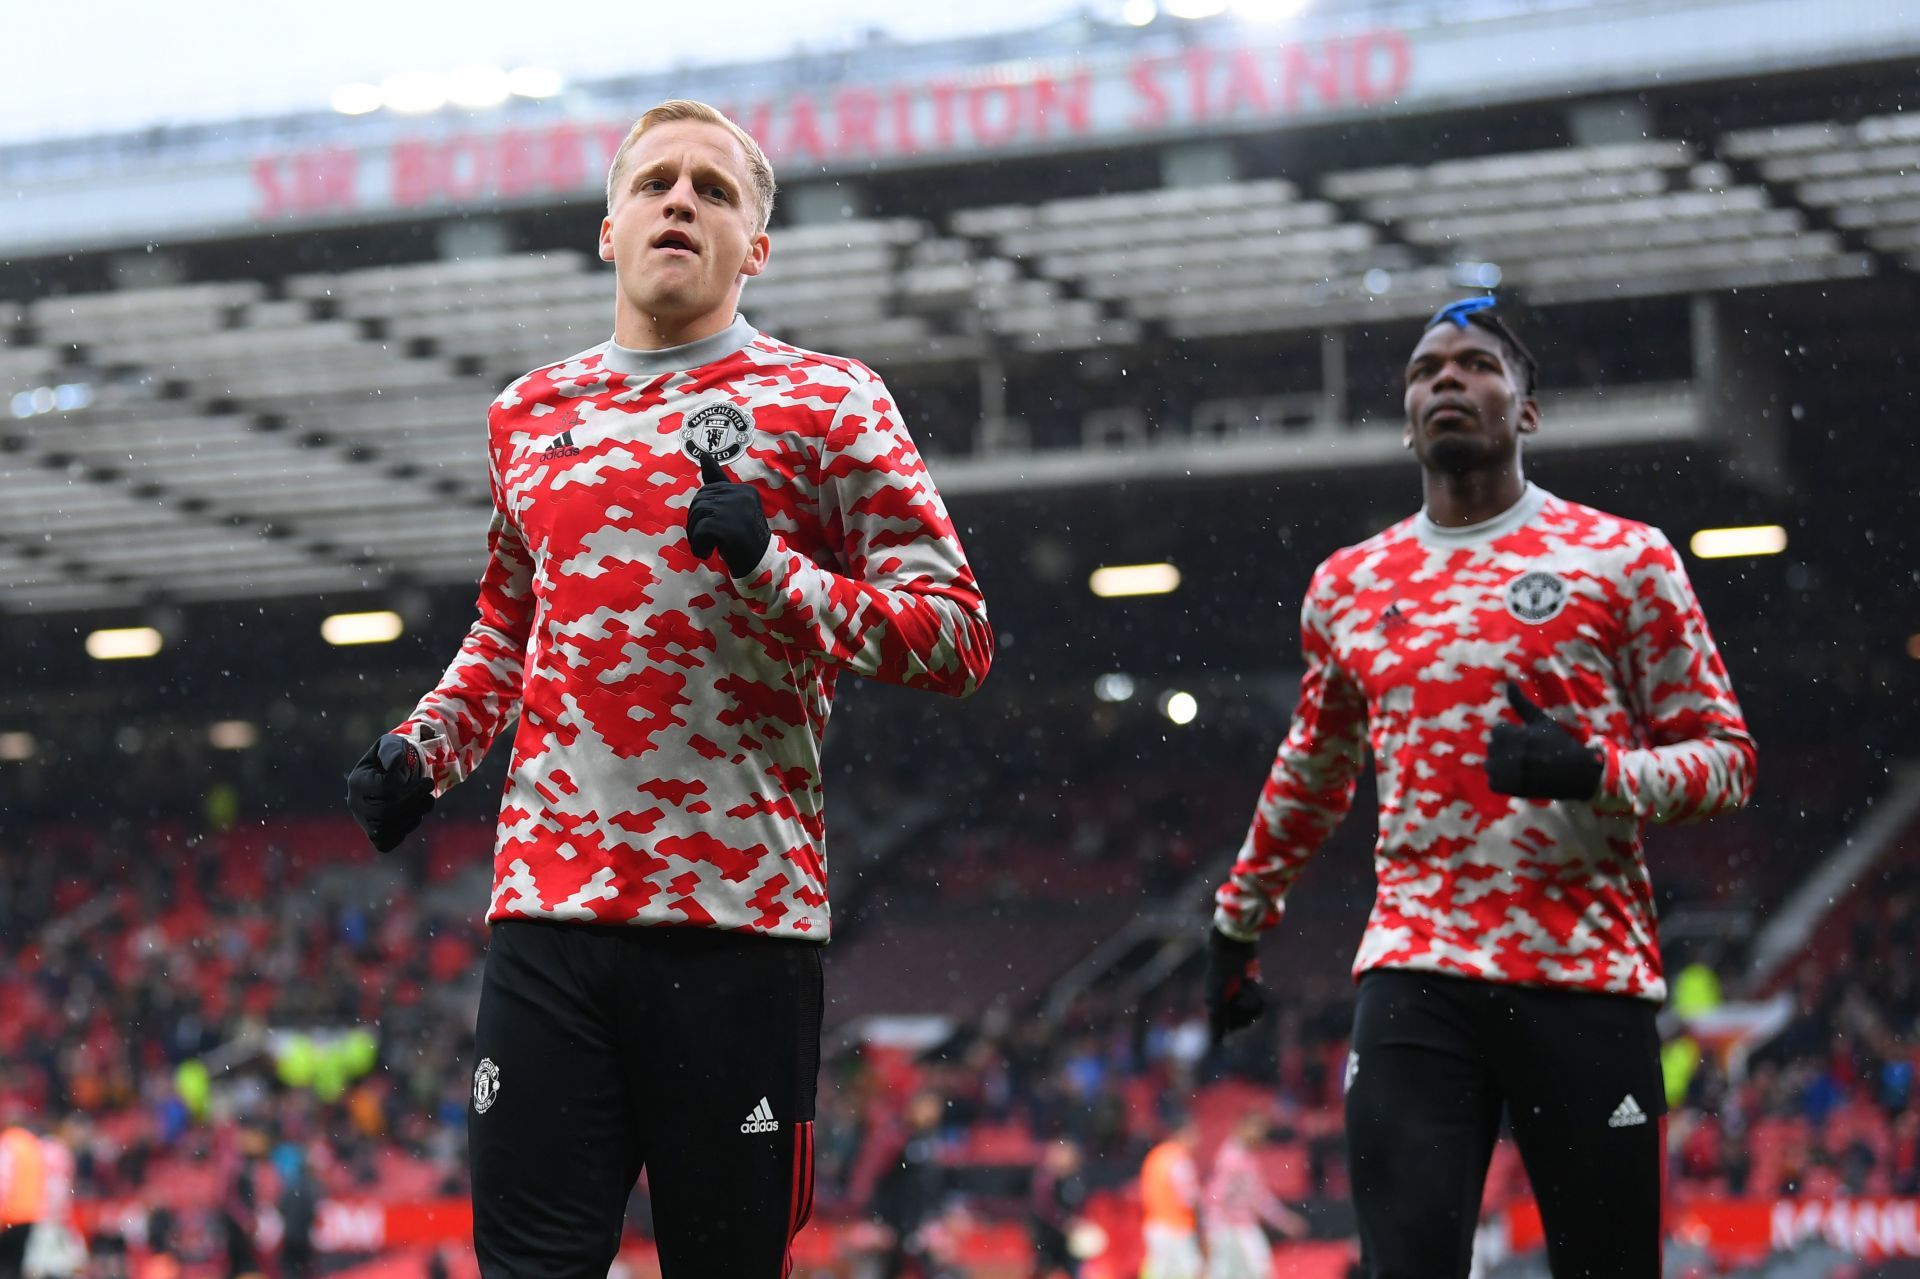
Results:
<point x="718" y="431"/>
<point x="1537" y="596"/>
<point x="486" y="1085"/>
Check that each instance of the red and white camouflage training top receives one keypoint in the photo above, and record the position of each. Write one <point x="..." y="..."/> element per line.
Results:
<point x="1237" y="1195"/>
<point x="666" y="769"/>
<point x="1410" y="639"/>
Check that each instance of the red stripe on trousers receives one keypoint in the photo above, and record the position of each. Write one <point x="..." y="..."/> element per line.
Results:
<point x="800" y="1193"/>
<point x="1663" y="1193"/>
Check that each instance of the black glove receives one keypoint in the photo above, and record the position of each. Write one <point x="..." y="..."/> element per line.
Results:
<point x="389" y="791"/>
<point x="727" y="516"/>
<point x="1235" y="997"/>
<point x="1538" y="759"/>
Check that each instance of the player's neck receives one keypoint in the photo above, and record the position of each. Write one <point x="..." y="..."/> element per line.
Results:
<point x="1458" y="499"/>
<point x="638" y="331"/>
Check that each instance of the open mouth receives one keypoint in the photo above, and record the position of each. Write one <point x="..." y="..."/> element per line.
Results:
<point x="675" y="242"/>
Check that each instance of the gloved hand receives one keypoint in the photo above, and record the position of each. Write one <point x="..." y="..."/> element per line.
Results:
<point x="389" y="791"/>
<point x="1235" y="997"/>
<point x="727" y="516"/>
<point x="1539" y="759"/>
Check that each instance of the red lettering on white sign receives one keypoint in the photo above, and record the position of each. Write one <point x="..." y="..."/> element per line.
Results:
<point x="306" y="183"/>
<point x="349" y="1227"/>
<point x="995" y="113"/>
<point x="1197" y="86"/>
<point x="1072" y="104"/>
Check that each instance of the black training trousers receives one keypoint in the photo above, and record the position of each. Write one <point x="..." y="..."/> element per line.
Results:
<point x="1435" y="1059"/>
<point x="600" y="1051"/>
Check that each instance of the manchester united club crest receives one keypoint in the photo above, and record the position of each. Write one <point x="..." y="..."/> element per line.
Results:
<point x="1537" y="596"/>
<point x="718" y="431"/>
<point x="486" y="1085"/>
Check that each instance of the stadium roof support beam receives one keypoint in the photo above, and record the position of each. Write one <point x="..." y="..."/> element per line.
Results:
<point x="1199" y="164"/>
<point x="1834" y="880"/>
<point x="1741" y="385"/>
<point x="1750" y="170"/>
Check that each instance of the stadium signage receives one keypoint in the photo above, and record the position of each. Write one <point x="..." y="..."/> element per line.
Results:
<point x="979" y="112"/>
<point x="1738" y="1230"/>
<point x="1871" y="1228"/>
<point x="855" y="114"/>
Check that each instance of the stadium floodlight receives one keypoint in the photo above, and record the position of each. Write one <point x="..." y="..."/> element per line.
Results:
<point x="1116" y="686"/>
<point x="64" y="398"/>
<point x="1139" y="13"/>
<point x="1726" y="543"/>
<point x="535" y="82"/>
<point x="233" y="735"/>
<point x="1116" y="580"/>
<point x="477" y="87"/>
<point x="413" y="92"/>
<point x="17" y="747"/>
<point x="1477" y="275"/>
<point x="1195" y="9"/>
<point x="342" y="629"/>
<point x="1268" y="10"/>
<point x="118" y="643"/>
<point x="1180" y="707"/>
<point x="357" y="99"/>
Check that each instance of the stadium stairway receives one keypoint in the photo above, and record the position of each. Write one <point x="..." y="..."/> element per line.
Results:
<point x="1816" y="912"/>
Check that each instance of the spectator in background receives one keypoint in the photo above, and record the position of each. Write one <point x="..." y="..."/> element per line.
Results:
<point x="911" y="1190"/>
<point x="23" y="1192"/>
<point x="297" y="1211"/>
<point x="1169" y="1203"/>
<point x="1059" y="1197"/>
<point x="238" y="1222"/>
<point x="55" y="1250"/>
<point x="163" y="1245"/>
<point x="1239" y="1203"/>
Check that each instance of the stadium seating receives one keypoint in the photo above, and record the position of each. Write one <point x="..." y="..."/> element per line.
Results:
<point x="243" y="424"/>
<point x="105" y="320"/>
<point x="1865" y="175"/>
<point x="1236" y="257"/>
<point x="259" y="923"/>
<point x="1601" y="221"/>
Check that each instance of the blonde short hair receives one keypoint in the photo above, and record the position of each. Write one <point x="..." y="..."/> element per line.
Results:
<point x="759" y="168"/>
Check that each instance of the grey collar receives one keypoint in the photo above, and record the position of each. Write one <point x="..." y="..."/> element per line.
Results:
<point x="1486" y="530"/>
<point x="678" y="359"/>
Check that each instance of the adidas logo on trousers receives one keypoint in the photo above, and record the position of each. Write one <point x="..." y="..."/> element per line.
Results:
<point x="761" y="1120"/>
<point x="1627" y="1114"/>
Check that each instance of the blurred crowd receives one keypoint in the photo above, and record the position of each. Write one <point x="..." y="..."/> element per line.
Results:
<point x="1827" y="1106"/>
<point x="179" y="1011"/>
<point x="179" y="997"/>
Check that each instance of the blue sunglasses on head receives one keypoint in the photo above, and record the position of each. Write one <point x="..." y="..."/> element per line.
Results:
<point x="1459" y="311"/>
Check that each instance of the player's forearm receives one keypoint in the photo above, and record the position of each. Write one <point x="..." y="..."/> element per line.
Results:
<point x="925" y="634"/>
<point x="455" y="723"/>
<point x="1308" y="790"/>
<point x="1290" y="825"/>
<point x="1680" y="782"/>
